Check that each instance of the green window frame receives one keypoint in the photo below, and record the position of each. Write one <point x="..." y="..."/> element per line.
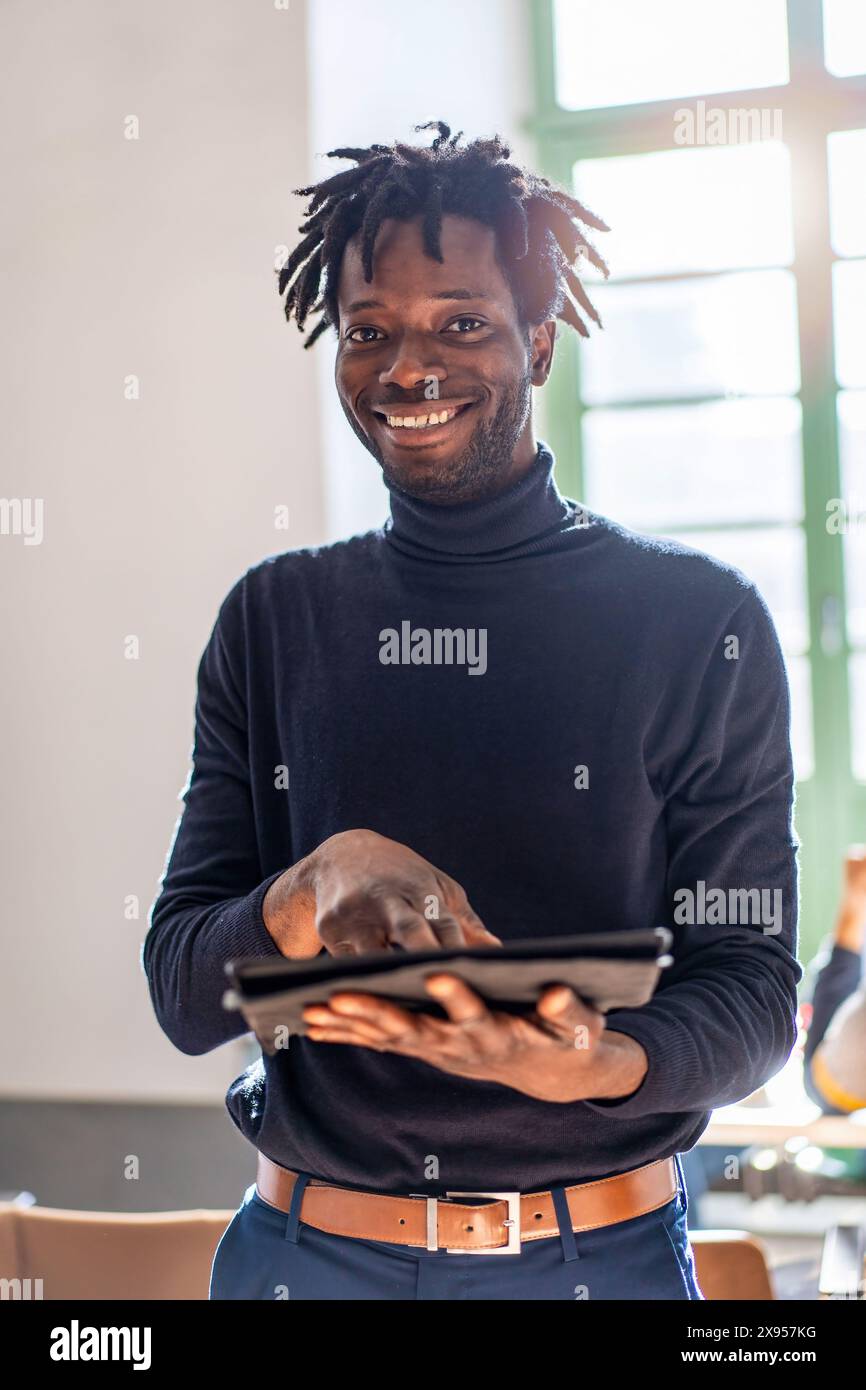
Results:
<point x="830" y="809"/>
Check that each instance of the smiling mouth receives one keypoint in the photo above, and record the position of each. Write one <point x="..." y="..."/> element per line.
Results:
<point x="421" y="425"/>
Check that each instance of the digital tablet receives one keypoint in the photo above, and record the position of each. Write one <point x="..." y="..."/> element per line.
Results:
<point x="610" y="970"/>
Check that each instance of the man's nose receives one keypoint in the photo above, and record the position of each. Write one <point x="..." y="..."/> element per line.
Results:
<point x="415" y="363"/>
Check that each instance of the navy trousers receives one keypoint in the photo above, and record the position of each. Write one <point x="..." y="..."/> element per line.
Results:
<point x="267" y="1254"/>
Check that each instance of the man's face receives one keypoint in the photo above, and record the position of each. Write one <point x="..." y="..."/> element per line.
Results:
<point x="425" y="340"/>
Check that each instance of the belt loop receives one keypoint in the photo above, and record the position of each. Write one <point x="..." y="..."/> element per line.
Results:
<point x="681" y="1183"/>
<point x="294" y="1217"/>
<point x="566" y="1230"/>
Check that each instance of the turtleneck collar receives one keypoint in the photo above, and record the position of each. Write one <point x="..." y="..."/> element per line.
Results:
<point x="521" y="520"/>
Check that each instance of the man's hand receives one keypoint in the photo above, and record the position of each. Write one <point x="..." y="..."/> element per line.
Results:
<point x="561" y="1051"/>
<point x="360" y="891"/>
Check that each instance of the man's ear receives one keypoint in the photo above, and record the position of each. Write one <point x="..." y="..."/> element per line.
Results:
<point x="542" y="342"/>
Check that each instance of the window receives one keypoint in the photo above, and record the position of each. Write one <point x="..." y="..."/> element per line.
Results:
<point x="667" y="49"/>
<point x="845" y="36"/>
<point x="725" y="402"/>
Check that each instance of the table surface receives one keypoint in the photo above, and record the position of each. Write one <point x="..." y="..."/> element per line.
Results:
<point x="773" y="1124"/>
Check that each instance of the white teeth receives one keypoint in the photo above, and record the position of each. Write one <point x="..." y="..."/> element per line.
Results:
<point x="419" y="422"/>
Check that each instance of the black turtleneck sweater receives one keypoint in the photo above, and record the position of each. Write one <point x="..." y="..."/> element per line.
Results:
<point x="606" y="651"/>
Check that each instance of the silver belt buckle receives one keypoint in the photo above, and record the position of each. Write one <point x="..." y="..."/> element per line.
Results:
<point x="512" y="1222"/>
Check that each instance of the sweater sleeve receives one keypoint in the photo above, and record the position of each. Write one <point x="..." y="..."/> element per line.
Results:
<point x="723" y="1019"/>
<point x="209" y="908"/>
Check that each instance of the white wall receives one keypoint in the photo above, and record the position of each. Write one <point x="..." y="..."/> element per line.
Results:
<point x="151" y="257"/>
<point x="376" y="70"/>
<point x="154" y="257"/>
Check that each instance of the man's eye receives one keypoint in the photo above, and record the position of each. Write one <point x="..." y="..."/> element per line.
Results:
<point x="363" y="329"/>
<point x="465" y="324"/>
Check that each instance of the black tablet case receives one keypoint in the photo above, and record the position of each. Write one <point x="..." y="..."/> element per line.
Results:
<point x="614" y="970"/>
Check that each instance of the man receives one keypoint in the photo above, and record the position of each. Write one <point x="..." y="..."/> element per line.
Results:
<point x="607" y="734"/>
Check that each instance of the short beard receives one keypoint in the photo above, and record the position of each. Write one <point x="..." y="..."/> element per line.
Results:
<point x="477" y="472"/>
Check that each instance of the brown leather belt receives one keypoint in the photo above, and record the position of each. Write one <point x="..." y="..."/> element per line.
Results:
<point x="496" y="1228"/>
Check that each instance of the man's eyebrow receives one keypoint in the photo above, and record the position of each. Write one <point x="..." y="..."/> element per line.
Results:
<point x="357" y="305"/>
<point x="460" y="294"/>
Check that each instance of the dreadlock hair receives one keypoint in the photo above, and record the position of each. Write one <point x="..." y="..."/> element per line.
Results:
<point x="537" y="240"/>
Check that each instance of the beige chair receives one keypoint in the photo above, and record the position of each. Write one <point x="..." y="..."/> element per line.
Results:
<point x="731" y="1265"/>
<point x="168" y="1255"/>
<point x="96" y="1255"/>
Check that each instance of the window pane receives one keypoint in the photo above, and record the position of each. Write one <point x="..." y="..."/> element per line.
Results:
<point x="776" y="562"/>
<point x="845" y="36"/>
<point x="855" y="574"/>
<point x="624" y="51"/>
<point x="713" y="209"/>
<point x="726" y="335"/>
<point x="852" y="450"/>
<point x="663" y="466"/>
<point x="849" y="312"/>
<point x="847" y="155"/>
<point x="857" y="669"/>
<point x="802" y="746"/>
